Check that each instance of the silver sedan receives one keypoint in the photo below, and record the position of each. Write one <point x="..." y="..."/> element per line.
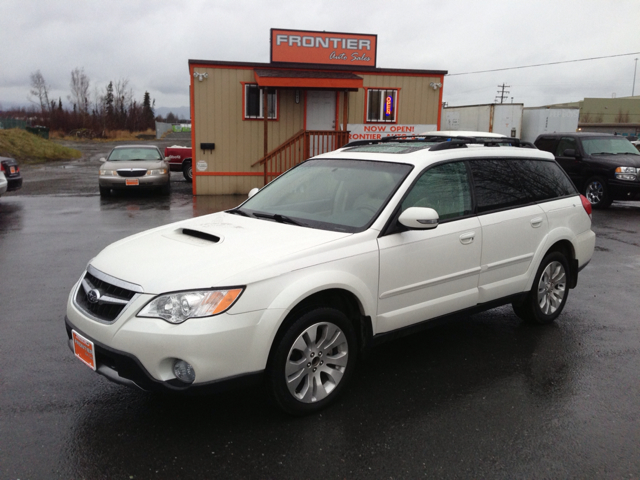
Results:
<point x="134" y="167"/>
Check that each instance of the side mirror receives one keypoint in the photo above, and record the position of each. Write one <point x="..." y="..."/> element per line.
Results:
<point x="419" y="218"/>
<point x="253" y="191"/>
<point x="569" y="152"/>
<point x="103" y="159"/>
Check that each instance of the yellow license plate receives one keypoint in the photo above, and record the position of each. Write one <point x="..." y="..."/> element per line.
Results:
<point x="132" y="181"/>
<point x="83" y="349"/>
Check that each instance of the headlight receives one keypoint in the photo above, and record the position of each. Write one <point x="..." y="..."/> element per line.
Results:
<point x="110" y="173"/>
<point x="157" y="171"/>
<point x="180" y="306"/>
<point x="627" y="173"/>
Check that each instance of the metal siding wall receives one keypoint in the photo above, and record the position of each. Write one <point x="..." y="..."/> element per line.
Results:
<point x="418" y="103"/>
<point x="239" y="143"/>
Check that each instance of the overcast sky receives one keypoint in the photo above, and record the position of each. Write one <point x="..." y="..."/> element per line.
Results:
<point x="149" y="42"/>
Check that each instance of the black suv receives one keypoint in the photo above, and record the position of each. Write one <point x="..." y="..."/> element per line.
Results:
<point x="604" y="167"/>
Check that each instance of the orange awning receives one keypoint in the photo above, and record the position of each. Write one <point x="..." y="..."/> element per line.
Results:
<point x="284" y="78"/>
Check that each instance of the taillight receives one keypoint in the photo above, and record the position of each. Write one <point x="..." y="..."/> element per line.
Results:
<point x="586" y="204"/>
<point x="2" y="167"/>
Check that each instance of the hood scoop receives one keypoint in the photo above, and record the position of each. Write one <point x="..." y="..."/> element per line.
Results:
<point x="201" y="235"/>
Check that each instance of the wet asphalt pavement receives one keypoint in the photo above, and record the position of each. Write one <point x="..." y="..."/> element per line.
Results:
<point x="485" y="397"/>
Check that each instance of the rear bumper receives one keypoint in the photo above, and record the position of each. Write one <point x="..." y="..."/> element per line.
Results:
<point x="14" y="183"/>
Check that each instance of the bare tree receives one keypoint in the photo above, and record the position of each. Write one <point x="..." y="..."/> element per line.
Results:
<point x="39" y="92"/>
<point x="79" y="90"/>
<point x="123" y="96"/>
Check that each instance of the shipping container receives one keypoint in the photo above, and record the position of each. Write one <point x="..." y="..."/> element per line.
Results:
<point x="503" y="118"/>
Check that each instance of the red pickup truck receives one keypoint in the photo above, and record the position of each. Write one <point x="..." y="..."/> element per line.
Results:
<point x="179" y="160"/>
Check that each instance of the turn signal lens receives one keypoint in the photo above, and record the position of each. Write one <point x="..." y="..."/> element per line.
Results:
<point x="180" y="306"/>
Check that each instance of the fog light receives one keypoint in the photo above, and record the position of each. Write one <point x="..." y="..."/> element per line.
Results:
<point x="184" y="371"/>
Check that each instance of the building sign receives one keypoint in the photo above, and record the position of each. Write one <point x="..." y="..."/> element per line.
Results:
<point x="326" y="48"/>
<point x="359" y="131"/>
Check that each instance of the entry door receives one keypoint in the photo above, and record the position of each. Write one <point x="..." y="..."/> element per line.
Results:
<point x="321" y="110"/>
<point x="321" y="115"/>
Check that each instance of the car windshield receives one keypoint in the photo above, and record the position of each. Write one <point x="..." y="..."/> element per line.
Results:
<point x="612" y="146"/>
<point x="132" y="154"/>
<point x="338" y="195"/>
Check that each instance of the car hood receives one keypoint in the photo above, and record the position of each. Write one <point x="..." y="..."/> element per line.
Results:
<point x="211" y="251"/>
<point x="620" y="160"/>
<point x="148" y="164"/>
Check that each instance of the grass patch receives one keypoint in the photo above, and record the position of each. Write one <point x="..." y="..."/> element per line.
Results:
<point x="108" y="136"/>
<point x="29" y="148"/>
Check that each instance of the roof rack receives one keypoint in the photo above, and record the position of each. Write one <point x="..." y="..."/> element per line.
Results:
<point x="445" y="142"/>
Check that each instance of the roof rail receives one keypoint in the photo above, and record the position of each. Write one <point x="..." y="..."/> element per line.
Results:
<point x="442" y="141"/>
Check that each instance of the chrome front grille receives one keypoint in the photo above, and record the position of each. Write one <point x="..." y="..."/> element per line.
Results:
<point x="103" y="297"/>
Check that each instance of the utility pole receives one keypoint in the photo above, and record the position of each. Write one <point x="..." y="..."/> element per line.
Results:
<point x="502" y="93"/>
<point x="633" y="89"/>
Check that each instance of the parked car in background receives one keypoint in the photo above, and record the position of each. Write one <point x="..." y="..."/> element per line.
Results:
<point x="179" y="160"/>
<point x="3" y="184"/>
<point x="11" y="170"/>
<point x="342" y="252"/>
<point x="636" y="143"/>
<point x="604" y="167"/>
<point x="134" y="167"/>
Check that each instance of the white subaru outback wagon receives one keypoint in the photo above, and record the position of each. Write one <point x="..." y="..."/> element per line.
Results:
<point x="336" y="255"/>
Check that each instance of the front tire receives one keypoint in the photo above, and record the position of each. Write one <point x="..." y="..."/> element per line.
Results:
<point x="597" y="192"/>
<point x="105" y="191"/>
<point x="549" y="292"/>
<point x="313" y="361"/>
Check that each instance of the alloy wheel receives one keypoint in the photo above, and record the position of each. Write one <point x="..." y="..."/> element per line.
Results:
<point x="552" y="288"/>
<point x="316" y="362"/>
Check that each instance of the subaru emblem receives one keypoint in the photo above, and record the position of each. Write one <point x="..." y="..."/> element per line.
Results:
<point x="93" y="296"/>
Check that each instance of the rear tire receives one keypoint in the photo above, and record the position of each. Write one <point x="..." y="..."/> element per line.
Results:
<point x="313" y="362"/>
<point x="597" y="192"/>
<point x="187" y="171"/>
<point x="549" y="292"/>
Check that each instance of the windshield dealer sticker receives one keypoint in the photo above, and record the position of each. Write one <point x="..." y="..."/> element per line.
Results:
<point x="202" y="166"/>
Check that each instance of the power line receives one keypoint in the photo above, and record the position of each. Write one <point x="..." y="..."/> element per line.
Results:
<point x="543" y="64"/>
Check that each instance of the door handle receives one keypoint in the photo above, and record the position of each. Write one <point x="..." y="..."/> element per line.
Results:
<point x="467" y="238"/>
<point x="536" y="222"/>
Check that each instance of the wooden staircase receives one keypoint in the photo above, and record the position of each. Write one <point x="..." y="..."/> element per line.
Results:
<point x="303" y="145"/>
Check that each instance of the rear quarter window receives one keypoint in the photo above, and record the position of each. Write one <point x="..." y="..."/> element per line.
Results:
<point x="543" y="180"/>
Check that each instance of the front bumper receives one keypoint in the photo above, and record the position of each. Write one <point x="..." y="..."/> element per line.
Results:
<point x="126" y="369"/>
<point x="224" y="350"/>
<point x="148" y="181"/>
<point x="624" y="190"/>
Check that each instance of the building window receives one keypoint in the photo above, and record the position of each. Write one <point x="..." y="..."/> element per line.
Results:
<point x="382" y="105"/>
<point x="254" y="100"/>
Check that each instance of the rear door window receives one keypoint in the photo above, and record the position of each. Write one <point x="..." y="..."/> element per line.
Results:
<point x="548" y="144"/>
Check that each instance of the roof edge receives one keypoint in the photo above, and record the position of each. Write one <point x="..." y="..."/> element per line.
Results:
<point x="311" y="66"/>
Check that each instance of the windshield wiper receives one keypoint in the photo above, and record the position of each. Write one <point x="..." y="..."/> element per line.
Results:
<point x="279" y="218"/>
<point x="237" y="211"/>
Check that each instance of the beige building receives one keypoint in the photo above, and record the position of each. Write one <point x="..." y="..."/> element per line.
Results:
<point x="252" y="121"/>
<point x="608" y="115"/>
